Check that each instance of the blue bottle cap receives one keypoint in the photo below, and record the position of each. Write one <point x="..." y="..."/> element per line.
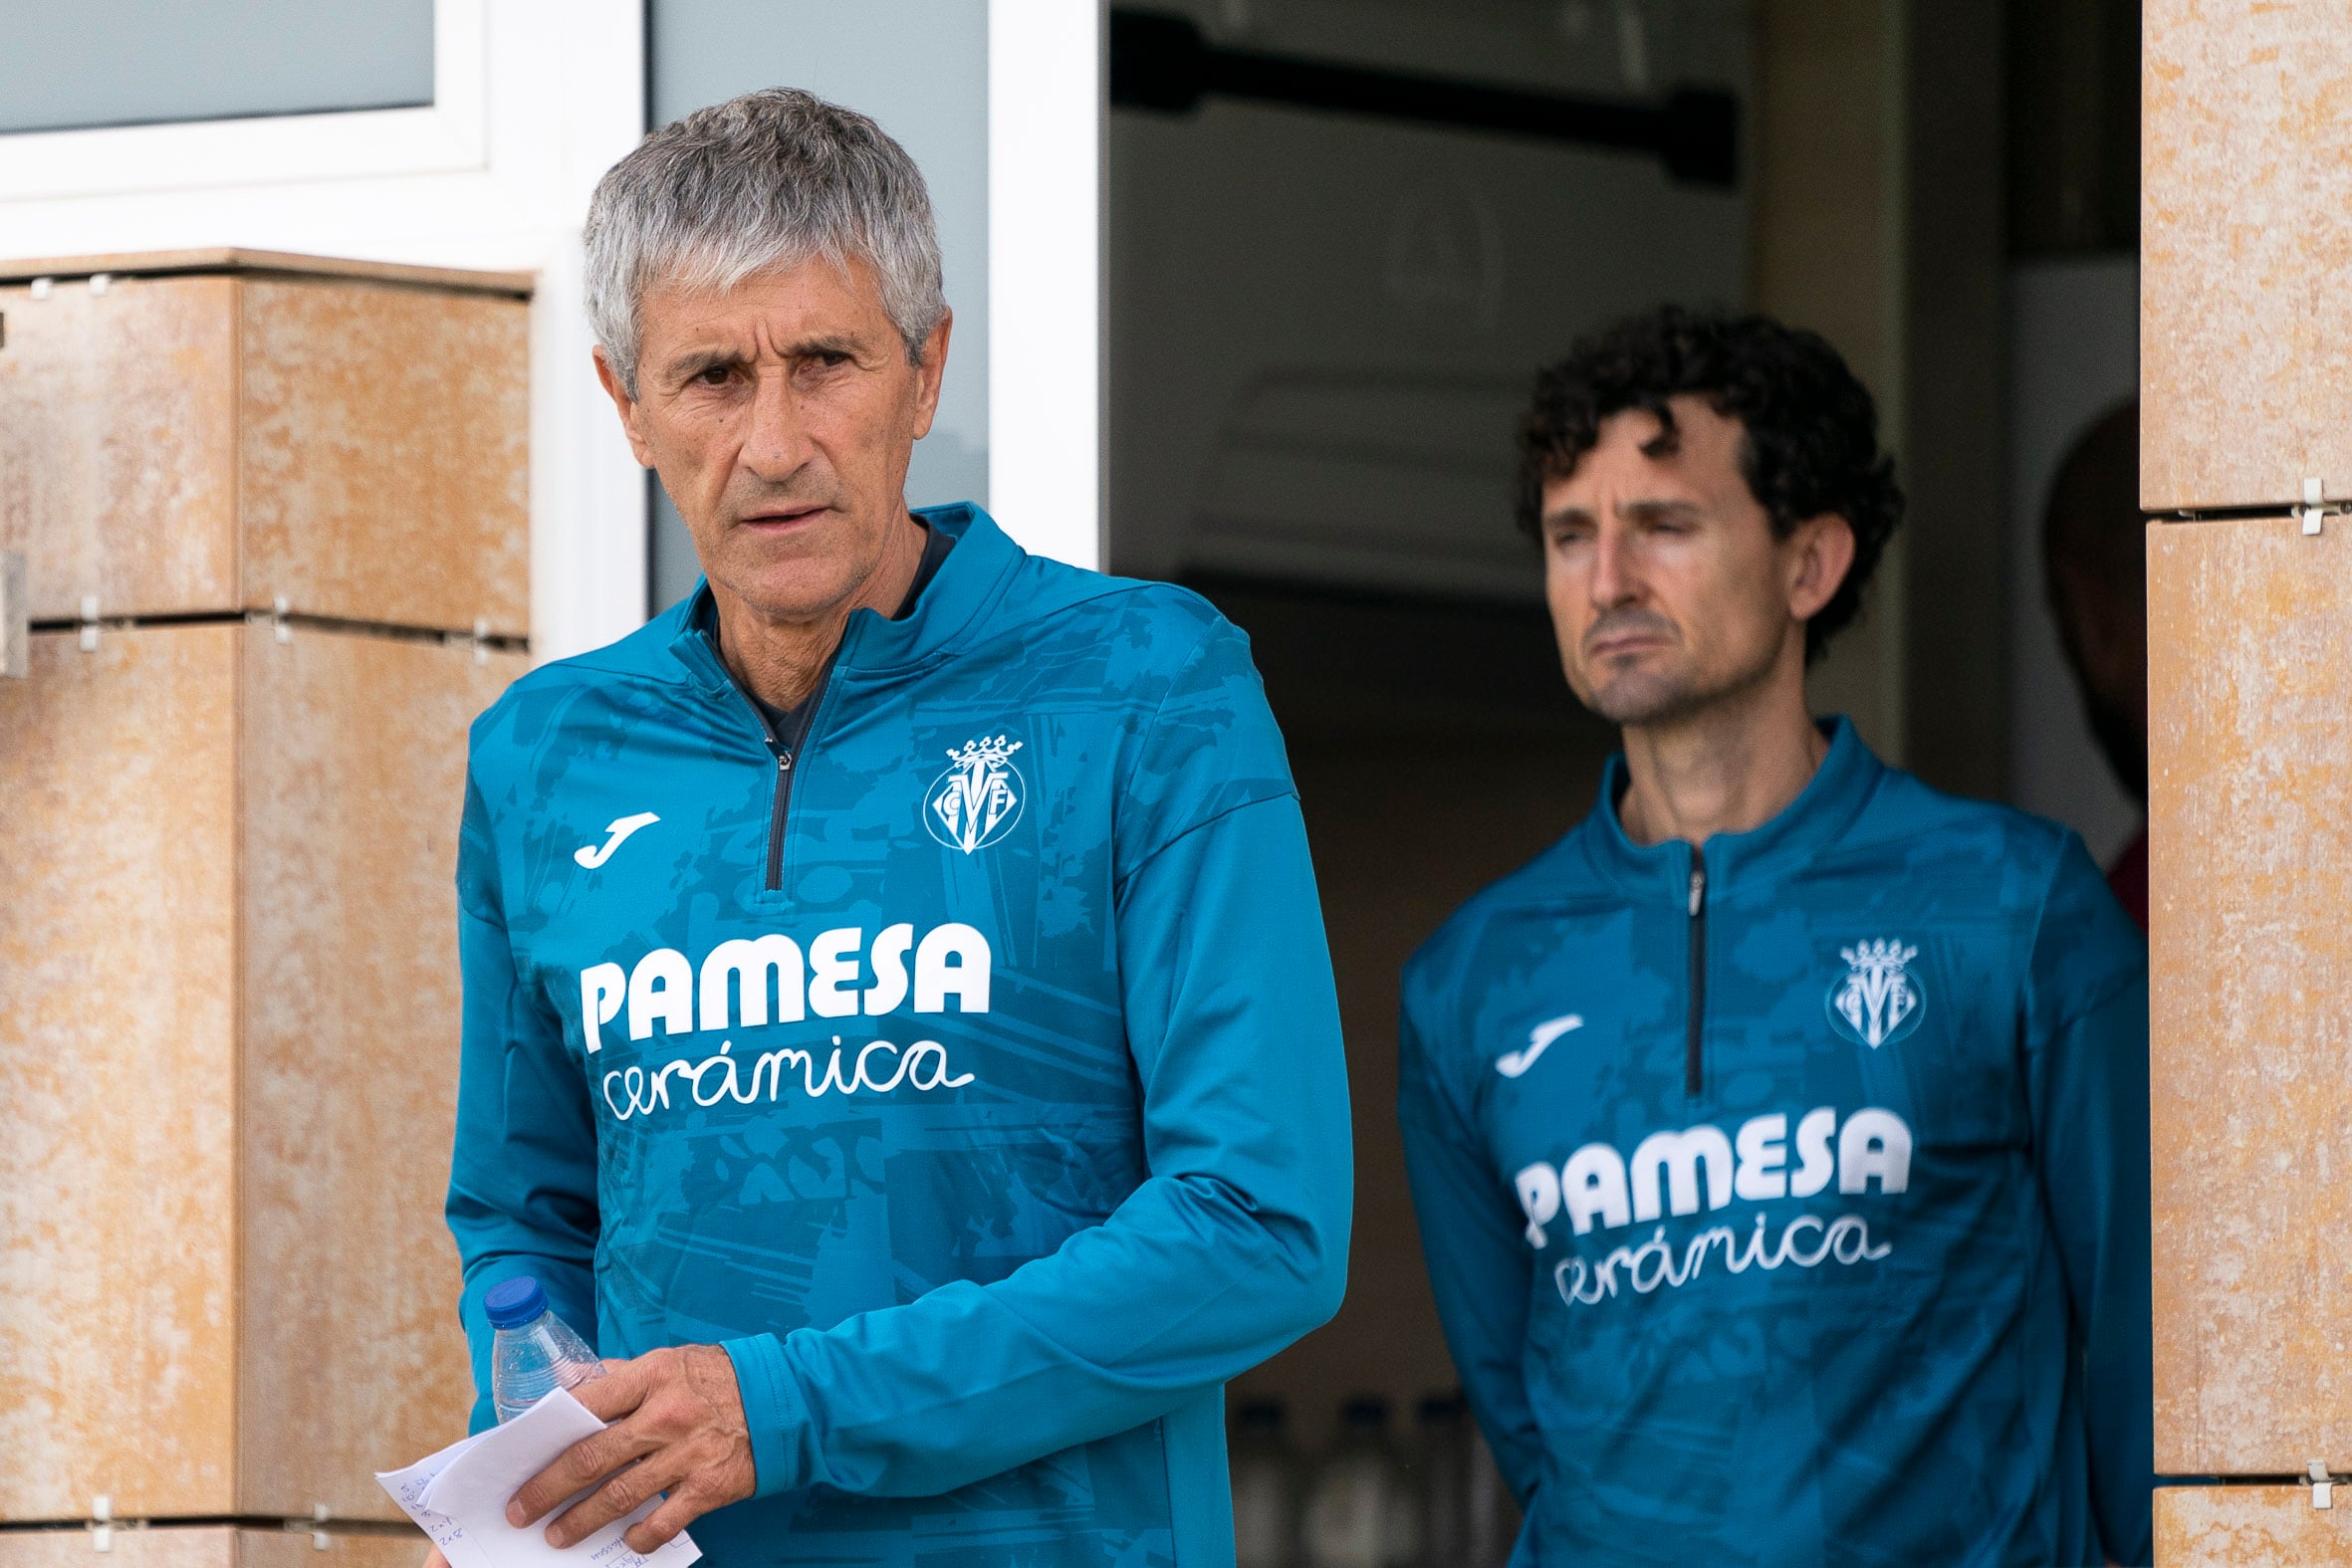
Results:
<point x="512" y="1303"/>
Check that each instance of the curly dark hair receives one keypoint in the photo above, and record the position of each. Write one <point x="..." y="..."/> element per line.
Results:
<point x="1810" y="442"/>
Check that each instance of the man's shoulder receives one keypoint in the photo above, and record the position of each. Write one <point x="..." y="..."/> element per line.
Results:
<point x="1557" y="882"/>
<point x="1980" y="860"/>
<point x="1157" y="625"/>
<point x="547" y="701"/>
<point x="1934" y="830"/>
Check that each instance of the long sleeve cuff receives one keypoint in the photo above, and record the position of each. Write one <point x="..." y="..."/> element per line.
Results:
<point x="772" y="1407"/>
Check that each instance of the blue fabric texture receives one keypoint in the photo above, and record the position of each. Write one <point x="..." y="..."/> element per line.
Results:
<point x="1877" y="1292"/>
<point x="991" y="1139"/>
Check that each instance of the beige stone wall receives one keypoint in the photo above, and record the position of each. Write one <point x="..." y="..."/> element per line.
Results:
<point x="119" y="1075"/>
<point x="2245" y="219"/>
<point x="2250" y="674"/>
<point x="2246" y="240"/>
<point x="228" y="1067"/>
<point x="229" y="994"/>
<point x="209" y="1546"/>
<point x="349" y="1359"/>
<point x="207" y="442"/>
<point x="2248" y="1527"/>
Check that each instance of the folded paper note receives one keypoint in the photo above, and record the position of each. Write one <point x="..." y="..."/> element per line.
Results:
<point x="458" y="1497"/>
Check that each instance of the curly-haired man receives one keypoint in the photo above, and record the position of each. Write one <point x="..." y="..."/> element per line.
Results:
<point x="1780" y="1135"/>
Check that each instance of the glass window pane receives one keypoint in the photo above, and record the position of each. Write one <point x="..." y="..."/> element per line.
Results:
<point x="143" y="61"/>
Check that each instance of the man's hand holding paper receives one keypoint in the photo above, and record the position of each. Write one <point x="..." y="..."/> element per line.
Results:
<point x="479" y="1501"/>
<point x="676" y="1426"/>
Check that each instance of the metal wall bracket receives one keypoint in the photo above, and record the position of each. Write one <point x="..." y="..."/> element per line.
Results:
<point x="2313" y="508"/>
<point x="2323" y="1486"/>
<point x="16" y="616"/>
<point x="90" y="623"/>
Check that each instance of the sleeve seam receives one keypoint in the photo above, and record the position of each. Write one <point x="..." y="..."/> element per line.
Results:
<point x="1452" y="1118"/>
<point x="2042" y="909"/>
<point x="1211" y="820"/>
<point x="1143" y="740"/>
<point x="2106" y="993"/>
<point x="2099" y="998"/>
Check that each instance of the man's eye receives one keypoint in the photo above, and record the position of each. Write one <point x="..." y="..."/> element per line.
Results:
<point x="715" y="375"/>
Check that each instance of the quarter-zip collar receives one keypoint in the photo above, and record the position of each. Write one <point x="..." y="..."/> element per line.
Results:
<point x="1737" y="862"/>
<point x="970" y="578"/>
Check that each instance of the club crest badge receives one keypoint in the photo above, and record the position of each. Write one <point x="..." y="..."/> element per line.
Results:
<point x="979" y="799"/>
<point x="1878" y="1001"/>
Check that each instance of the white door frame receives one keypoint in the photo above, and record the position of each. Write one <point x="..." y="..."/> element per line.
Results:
<point x="1046" y="93"/>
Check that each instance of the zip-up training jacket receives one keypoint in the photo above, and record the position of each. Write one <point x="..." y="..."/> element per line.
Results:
<point x="973" y="1076"/>
<point x="1787" y="1200"/>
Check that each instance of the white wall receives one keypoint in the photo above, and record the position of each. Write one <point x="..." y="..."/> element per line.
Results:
<point x="2073" y="354"/>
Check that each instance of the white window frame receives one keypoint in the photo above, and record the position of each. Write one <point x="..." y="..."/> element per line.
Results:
<point x="447" y="136"/>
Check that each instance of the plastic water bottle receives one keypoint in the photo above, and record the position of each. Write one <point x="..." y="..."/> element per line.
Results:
<point x="536" y="1352"/>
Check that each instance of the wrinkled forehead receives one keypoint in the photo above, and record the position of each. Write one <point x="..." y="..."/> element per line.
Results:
<point x="801" y="299"/>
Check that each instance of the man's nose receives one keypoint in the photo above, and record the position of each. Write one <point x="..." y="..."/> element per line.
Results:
<point x="777" y="443"/>
<point x="1613" y="580"/>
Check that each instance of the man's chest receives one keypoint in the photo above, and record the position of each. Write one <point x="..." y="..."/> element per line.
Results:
<point x="1631" y="1077"/>
<point x="730" y="941"/>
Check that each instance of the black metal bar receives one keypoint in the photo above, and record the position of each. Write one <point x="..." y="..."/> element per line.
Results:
<point x="1160" y="61"/>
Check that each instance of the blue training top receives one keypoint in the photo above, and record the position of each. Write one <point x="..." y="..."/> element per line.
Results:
<point x="973" y="1074"/>
<point x="1788" y="1201"/>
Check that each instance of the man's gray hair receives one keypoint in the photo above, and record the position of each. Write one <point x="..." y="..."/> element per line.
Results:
<point x="759" y="183"/>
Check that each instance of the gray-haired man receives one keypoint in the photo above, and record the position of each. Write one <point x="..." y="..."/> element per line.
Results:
<point x="898" y="1015"/>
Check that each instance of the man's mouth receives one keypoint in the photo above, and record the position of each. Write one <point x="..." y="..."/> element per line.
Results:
<point x="1624" y="644"/>
<point x="1626" y="636"/>
<point x="777" y="519"/>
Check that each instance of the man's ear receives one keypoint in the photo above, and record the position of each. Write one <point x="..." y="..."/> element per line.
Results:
<point x="931" y="374"/>
<point x="1820" y="552"/>
<point x="627" y="404"/>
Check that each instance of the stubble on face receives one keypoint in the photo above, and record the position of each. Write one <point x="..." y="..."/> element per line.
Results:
<point x="1658" y="688"/>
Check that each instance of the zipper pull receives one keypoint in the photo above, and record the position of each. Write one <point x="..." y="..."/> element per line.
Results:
<point x="783" y="761"/>
<point x="1698" y="887"/>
